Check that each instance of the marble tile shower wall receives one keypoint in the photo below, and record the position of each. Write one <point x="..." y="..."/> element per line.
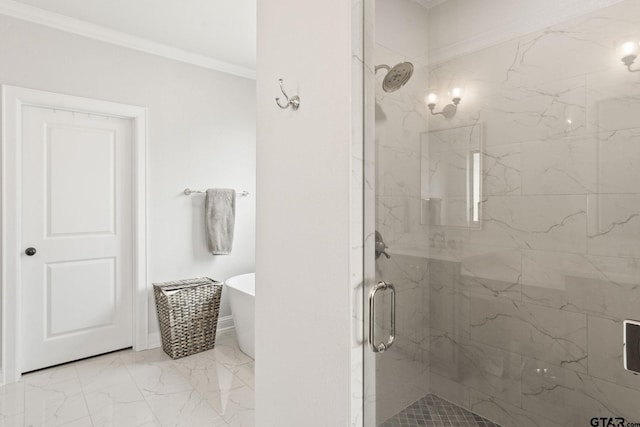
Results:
<point x="401" y="118"/>
<point x="524" y="314"/>
<point x="402" y="372"/>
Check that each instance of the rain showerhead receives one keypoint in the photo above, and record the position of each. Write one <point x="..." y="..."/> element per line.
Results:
<point x="397" y="76"/>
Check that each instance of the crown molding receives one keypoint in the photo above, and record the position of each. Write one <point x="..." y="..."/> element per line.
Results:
<point x="60" y="22"/>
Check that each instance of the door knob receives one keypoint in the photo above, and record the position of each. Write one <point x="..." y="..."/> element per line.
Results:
<point x="30" y="251"/>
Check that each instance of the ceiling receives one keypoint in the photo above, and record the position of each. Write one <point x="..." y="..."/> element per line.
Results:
<point x="223" y="30"/>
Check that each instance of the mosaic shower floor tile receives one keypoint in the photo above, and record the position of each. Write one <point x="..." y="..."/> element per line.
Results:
<point x="432" y="411"/>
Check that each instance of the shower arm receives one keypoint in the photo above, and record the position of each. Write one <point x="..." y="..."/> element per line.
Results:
<point x="383" y="66"/>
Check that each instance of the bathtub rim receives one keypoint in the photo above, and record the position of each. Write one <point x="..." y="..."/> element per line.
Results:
<point x="235" y="288"/>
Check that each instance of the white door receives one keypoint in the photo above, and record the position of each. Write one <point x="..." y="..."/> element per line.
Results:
<point x="77" y="215"/>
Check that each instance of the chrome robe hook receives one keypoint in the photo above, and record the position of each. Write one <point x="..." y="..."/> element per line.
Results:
<point x="294" y="101"/>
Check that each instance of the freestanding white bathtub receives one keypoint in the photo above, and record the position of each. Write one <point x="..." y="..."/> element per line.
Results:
<point x="242" y="291"/>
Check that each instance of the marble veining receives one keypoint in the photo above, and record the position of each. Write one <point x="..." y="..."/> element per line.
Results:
<point x="519" y="317"/>
<point x="137" y="389"/>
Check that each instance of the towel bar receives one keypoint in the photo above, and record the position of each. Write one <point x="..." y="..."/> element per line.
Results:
<point x="188" y="192"/>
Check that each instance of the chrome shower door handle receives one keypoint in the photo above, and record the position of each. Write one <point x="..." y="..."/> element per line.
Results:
<point x="381" y="346"/>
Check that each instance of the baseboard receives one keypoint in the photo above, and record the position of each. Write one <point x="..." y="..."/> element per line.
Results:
<point x="155" y="341"/>
<point x="225" y="322"/>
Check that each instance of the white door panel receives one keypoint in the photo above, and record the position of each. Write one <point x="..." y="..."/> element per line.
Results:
<point x="77" y="213"/>
<point x="92" y="179"/>
<point x="75" y="304"/>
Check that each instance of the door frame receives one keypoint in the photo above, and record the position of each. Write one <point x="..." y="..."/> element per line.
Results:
<point x="13" y="99"/>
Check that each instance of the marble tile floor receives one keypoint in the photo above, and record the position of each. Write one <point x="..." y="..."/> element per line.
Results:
<point x="137" y="389"/>
<point x="432" y="411"/>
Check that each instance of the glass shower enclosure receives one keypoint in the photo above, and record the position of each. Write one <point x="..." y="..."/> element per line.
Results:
<point x="502" y="212"/>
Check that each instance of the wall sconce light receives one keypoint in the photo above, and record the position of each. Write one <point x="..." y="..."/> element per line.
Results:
<point x="629" y="54"/>
<point x="449" y="110"/>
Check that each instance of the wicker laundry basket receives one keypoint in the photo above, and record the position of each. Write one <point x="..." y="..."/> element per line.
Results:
<point x="188" y="315"/>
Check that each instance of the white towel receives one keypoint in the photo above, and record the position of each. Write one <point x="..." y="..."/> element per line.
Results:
<point x="220" y="217"/>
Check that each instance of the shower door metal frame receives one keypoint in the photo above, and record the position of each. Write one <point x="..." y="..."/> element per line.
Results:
<point x="368" y="199"/>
